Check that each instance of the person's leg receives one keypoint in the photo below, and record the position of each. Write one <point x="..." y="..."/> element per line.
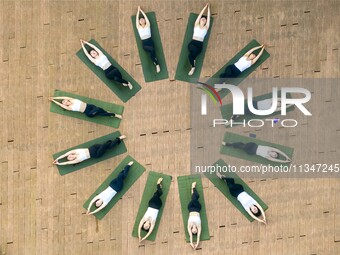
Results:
<point x="98" y="150"/>
<point x="194" y="205"/>
<point x="234" y="189"/>
<point x="192" y="53"/>
<point x="149" y="47"/>
<point x="92" y="111"/>
<point x="155" y="201"/>
<point x="118" y="77"/>
<point x="117" y="183"/>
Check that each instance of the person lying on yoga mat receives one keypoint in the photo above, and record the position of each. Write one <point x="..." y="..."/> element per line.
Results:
<point x="246" y="61"/>
<point x="267" y="152"/>
<point x="249" y="204"/>
<point x="95" y="151"/>
<point x="144" y="31"/>
<point x="149" y="219"/>
<point x="97" y="57"/>
<point x="202" y="24"/>
<point x="116" y="185"/>
<point x="263" y="104"/>
<point x="194" y="221"/>
<point x="75" y="105"/>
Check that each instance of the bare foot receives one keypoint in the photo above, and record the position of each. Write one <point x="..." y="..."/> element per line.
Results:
<point x="130" y="163"/>
<point x="158" y="68"/>
<point x="224" y="143"/>
<point x="191" y="71"/>
<point x="118" y="116"/>
<point x="159" y="180"/>
<point x="130" y="86"/>
<point x="122" y="137"/>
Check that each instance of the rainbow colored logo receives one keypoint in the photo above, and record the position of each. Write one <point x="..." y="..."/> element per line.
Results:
<point x="209" y="90"/>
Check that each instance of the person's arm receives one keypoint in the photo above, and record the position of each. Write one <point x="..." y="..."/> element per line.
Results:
<point x="94" y="47"/>
<point x="68" y="98"/>
<point x="262" y="211"/>
<point x="92" y="201"/>
<point x="61" y="105"/>
<point x="64" y="155"/>
<point x="253" y="216"/>
<point x="140" y="228"/>
<point x="197" y="22"/>
<point x="258" y="56"/>
<point x="86" y="53"/>
<point x="208" y="18"/>
<point x="251" y="50"/>
<point x="150" y="231"/>
<point x="145" y="17"/>
<point x="137" y="18"/>
<point x="99" y="208"/>
<point x="190" y="234"/>
<point x="288" y="159"/>
<point x="71" y="162"/>
<point x="199" y="229"/>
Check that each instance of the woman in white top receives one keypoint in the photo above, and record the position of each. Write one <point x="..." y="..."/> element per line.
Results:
<point x="90" y="110"/>
<point x="194" y="221"/>
<point x="94" y="151"/>
<point x="267" y="152"/>
<point x="148" y="221"/>
<point x="144" y="30"/>
<point x="249" y="204"/>
<point x="246" y="61"/>
<point x="116" y="185"/>
<point x="202" y="24"/>
<point x="264" y="104"/>
<point x="97" y="57"/>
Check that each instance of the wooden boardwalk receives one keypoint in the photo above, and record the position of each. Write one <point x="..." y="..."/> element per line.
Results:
<point x="41" y="212"/>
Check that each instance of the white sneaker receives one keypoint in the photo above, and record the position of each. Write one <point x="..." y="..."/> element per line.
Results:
<point x="191" y="71"/>
<point x="158" y="68"/>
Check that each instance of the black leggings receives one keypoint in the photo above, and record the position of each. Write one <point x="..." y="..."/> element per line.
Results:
<point x="230" y="71"/>
<point x="117" y="183"/>
<point x="98" y="150"/>
<point x="195" y="48"/>
<point x="149" y="47"/>
<point x="194" y="205"/>
<point x="155" y="202"/>
<point x="235" y="189"/>
<point x="113" y="73"/>
<point x="92" y="111"/>
<point x="249" y="148"/>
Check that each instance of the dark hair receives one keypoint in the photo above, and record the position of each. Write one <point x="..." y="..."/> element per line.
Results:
<point x="141" y="17"/>
<point x="258" y="214"/>
<point x="95" y="203"/>
<point x="203" y="16"/>
<point x="147" y="230"/>
<point x="91" y="49"/>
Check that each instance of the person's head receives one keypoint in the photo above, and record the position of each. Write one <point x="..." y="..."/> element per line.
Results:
<point x="142" y="21"/>
<point x="93" y="53"/>
<point x="252" y="56"/>
<point x="71" y="157"/>
<point x="66" y="102"/>
<point x="203" y="20"/>
<point x="147" y="225"/>
<point x="255" y="210"/>
<point x="273" y="154"/>
<point x="194" y="230"/>
<point x="98" y="203"/>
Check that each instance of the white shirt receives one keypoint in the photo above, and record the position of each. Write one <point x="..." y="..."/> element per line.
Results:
<point x="194" y="220"/>
<point x="264" y="104"/>
<point x="107" y="195"/>
<point x="75" y="106"/>
<point x="242" y="64"/>
<point x="151" y="214"/>
<point x="144" y="33"/>
<point x="82" y="154"/>
<point x="246" y="200"/>
<point x="102" y="62"/>
<point x="263" y="151"/>
<point x="200" y="33"/>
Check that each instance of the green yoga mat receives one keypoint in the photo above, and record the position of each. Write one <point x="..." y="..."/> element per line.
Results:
<point x="136" y="170"/>
<point x="184" y="188"/>
<point x="149" y="69"/>
<point x="103" y="120"/>
<point x="149" y="190"/>
<point x="117" y="150"/>
<point x="222" y="186"/>
<point x="227" y="110"/>
<point x="236" y="81"/>
<point x="124" y="93"/>
<point x="238" y="153"/>
<point x="183" y="66"/>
